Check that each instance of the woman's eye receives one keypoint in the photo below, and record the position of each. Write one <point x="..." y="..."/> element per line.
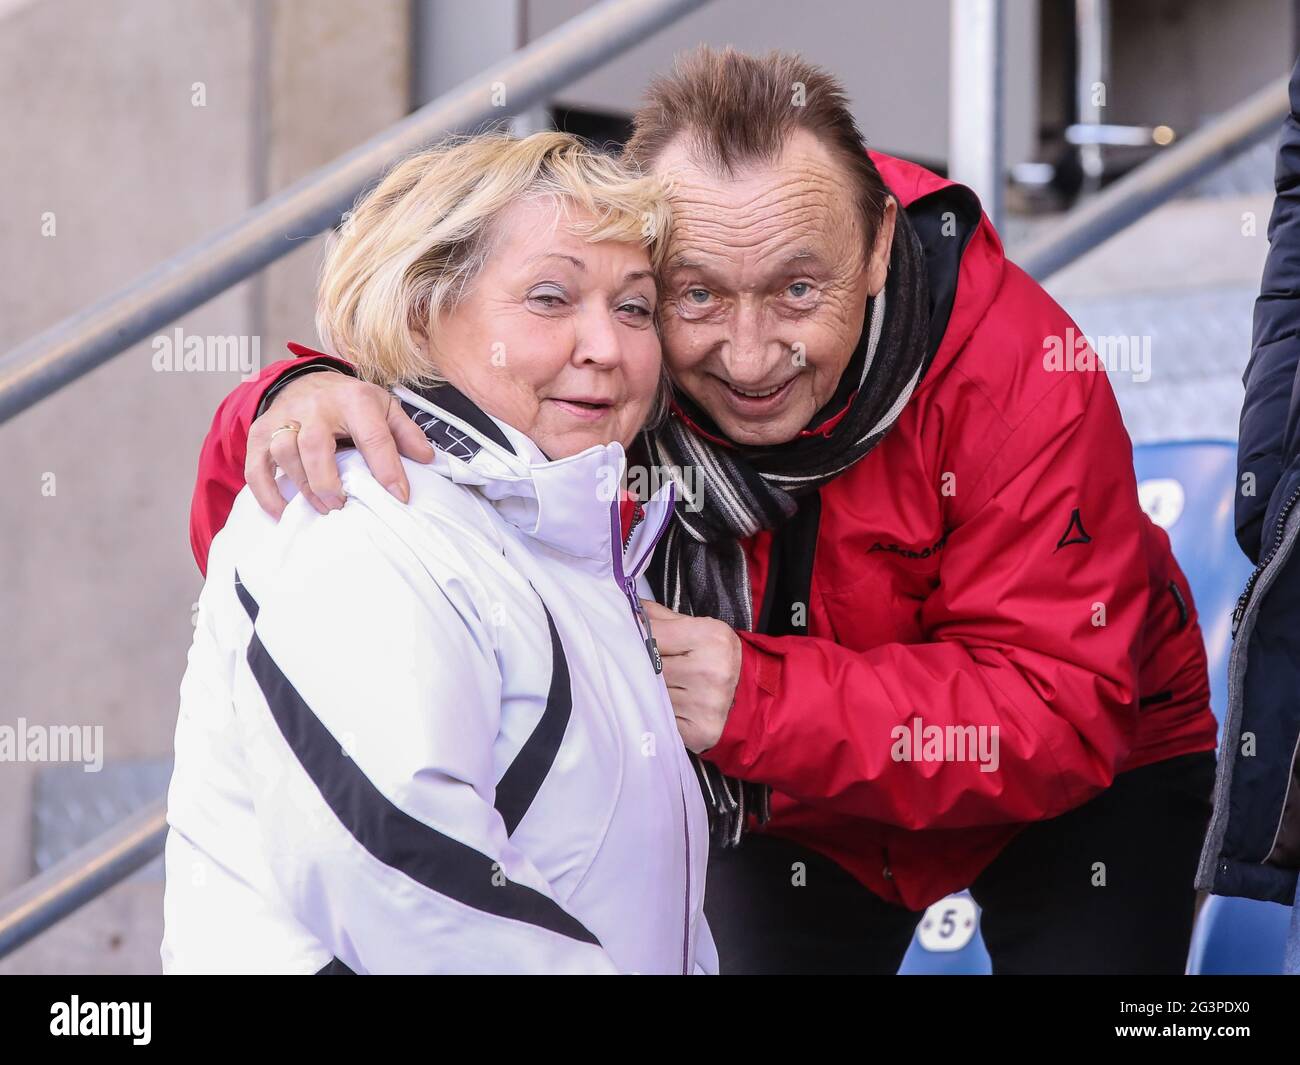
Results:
<point x="547" y="297"/>
<point x="799" y="289"/>
<point x="637" y="309"/>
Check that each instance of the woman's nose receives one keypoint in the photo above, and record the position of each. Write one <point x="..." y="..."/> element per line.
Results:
<point x="597" y="338"/>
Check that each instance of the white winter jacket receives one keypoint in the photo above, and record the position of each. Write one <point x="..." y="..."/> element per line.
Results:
<point x="431" y="737"/>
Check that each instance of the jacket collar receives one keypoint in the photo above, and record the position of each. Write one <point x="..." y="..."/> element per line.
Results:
<point x="569" y="504"/>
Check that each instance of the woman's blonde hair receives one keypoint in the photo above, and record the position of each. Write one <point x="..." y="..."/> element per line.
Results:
<point x="416" y="241"/>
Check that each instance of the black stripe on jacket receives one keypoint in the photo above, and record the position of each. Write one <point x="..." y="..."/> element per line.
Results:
<point x="393" y="836"/>
<point x="520" y="783"/>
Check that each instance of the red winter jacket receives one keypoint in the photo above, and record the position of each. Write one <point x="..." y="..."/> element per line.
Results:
<point x="986" y="565"/>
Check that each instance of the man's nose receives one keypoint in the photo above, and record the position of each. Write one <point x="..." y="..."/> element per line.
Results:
<point x="749" y="354"/>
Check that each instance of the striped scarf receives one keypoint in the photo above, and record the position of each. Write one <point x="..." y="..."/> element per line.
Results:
<point x="738" y="491"/>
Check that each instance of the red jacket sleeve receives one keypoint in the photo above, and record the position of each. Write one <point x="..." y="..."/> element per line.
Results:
<point x="1015" y="649"/>
<point x="221" y="459"/>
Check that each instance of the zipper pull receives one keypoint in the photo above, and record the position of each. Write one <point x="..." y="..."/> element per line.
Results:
<point x="643" y="623"/>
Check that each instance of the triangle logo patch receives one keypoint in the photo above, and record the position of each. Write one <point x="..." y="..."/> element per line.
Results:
<point x="1074" y="532"/>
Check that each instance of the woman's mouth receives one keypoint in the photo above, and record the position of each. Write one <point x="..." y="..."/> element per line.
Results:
<point x="588" y="410"/>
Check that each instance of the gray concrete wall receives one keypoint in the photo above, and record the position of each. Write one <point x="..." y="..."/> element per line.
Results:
<point x="102" y="135"/>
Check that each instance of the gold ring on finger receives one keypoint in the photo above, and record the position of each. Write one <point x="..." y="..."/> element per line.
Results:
<point x="288" y="427"/>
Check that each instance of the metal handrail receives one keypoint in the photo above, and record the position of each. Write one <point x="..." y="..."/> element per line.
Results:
<point x="1155" y="181"/>
<point x="83" y="875"/>
<point x="276" y="227"/>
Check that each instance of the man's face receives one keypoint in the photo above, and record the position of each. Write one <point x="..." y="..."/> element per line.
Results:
<point x="765" y="286"/>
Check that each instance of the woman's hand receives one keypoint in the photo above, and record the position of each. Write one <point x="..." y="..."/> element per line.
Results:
<point x="701" y="659"/>
<point x="325" y="408"/>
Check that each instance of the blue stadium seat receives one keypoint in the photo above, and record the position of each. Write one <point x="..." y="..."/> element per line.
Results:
<point x="947" y="941"/>
<point x="1188" y="489"/>
<point x="1239" y="937"/>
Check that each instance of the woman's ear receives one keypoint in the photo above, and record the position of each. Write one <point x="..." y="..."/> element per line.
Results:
<point x="878" y="267"/>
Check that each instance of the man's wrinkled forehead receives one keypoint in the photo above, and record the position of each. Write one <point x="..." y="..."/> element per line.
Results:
<point x="797" y="203"/>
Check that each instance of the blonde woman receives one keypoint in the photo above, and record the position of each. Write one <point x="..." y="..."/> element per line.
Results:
<point x="432" y="736"/>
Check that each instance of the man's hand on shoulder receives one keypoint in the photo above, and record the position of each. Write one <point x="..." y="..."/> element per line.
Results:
<point x="300" y="433"/>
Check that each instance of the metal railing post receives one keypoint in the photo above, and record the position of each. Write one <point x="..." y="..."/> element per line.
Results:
<point x="975" y="100"/>
<point x="1092" y="31"/>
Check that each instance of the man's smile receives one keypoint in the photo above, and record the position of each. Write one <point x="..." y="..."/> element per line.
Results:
<point x="755" y="402"/>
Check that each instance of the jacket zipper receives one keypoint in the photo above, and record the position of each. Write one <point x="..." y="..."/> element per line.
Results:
<point x="1242" y="600"/>
<point x="638" y="516"/>
<point x="628" y="583"/>
<point x="643" y="627"/>
<point x="686" y="904"/>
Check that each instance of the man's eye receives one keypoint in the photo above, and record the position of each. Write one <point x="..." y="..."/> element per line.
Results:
<point x="697" y="296"/>
<point x="799" y="289"/>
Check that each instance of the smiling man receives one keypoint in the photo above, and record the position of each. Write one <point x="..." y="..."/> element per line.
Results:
<point x="902" y="518"/>
<point x="771" y="265"/>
